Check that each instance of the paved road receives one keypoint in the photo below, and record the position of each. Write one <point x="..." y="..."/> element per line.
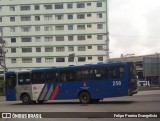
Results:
<point x="144" y="101"/>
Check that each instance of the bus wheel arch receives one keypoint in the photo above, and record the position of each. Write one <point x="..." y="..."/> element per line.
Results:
<point x="25" y="97"/>
<point x="84" y="97"/>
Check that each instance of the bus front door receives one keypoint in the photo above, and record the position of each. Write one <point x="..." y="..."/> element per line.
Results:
<point x="10" y="89"/>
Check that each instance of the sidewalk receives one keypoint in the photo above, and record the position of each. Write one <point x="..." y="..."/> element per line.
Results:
<point x="2" y="98"/>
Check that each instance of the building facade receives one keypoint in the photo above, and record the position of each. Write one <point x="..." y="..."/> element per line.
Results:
<point x="43" y="33"/>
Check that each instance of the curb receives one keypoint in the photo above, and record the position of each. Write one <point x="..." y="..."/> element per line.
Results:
<point x="2" y="98"/>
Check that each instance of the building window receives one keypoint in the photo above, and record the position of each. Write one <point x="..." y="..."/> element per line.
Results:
<point x="37" y="28"/>
<point x="100" y="58"/>
<point x="81" y="16"/>
<point x="49" y="60"/>
<point x="38" y="49"/>
<point x="99" y="37"/>
<point x="48" y="49"/>
<point x="59" y="28"/>
<point x="81" y="59"/>
<point x="90" y="58"/>
<point x="13" y="40"/>
<point x="82" y="37"/>
<point x="26" y="60"/>
<point x="37" y="18"/>
<point x="60" y="59"/>
<point x="48" y="28"/>
<point x="70" y="49"/>
<point x="0" y="8"/>
<point x="99" y="47"/>
<point x="37" y="39"/>
<point x="70" y="38"/>
<point x="13" y="61"/>
<point x="38" y="60"/>
<point x="60" y="38"/>
<point x="80" y="27"/>
<point x="81" y="48"/>
<point x="69" y="6"/>
<point x="28" y="39"/>
<point x="80" y="5"/>
<point x="12" y="8"/>
<point x="12" y="29"/>
<point x="89" y="15"/>
<point x="25" y="29"/>
<point x="60" y="49"/>
<point x="70" y="16"/>
<point x="13" y="50"/>
<point x="25" y="18"/>
<point x="89" y="36"/>
<point x="47" y="17"/>
<point x="89" y="47"/>
<point x="36" y="7"/>
<point x="99" y="15"/>
<point x="12" y="19"/>
<point x="99" y="4"/>
<point x="0" y="19"/>
<point x="59" y="17"/>
<point x="88" y="4"/>
<point x="58" y="6"/>
<point x="25" y="8"/>
<point x="70" y="27"/>
<point x="48" y="39"/>
<point x="26" y="50"/>
<point x="99" y="26"/>
<point x="48" y="7"/>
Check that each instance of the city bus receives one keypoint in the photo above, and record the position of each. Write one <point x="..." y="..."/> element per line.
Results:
<point x="89" y="83"/>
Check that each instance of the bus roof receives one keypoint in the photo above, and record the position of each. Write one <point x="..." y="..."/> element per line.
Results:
<point x="78" y="66"/>
<point x="101" y="64"/>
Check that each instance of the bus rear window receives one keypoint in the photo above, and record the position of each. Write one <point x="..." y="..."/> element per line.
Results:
<point x="132" y="71"/>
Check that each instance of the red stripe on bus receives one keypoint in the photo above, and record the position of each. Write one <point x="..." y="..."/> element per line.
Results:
<point x="55" y="92"/>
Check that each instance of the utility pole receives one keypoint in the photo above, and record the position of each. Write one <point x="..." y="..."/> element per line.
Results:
<point x="2" y="51"/>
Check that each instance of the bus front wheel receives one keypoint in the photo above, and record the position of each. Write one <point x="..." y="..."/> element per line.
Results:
<point x="84" y="97"/>
<point x="26" y="99"/>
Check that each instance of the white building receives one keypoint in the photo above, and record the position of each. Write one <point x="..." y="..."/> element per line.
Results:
<point x="42" y="33"/>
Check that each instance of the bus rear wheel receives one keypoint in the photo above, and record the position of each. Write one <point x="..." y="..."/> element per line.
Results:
<point x="84" y="97"/>
<point x="26" y="99"/>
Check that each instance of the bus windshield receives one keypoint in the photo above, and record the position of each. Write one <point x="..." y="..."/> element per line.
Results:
<point x="10" y="81"/>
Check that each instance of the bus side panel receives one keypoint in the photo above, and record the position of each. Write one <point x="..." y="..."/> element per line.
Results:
<point x="36" y="91"/>
<point x="67" y="90"/>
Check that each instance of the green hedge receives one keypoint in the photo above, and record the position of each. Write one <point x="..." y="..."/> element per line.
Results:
<point x="2" y="86"/>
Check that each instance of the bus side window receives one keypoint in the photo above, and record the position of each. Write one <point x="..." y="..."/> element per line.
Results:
<point x="38" y="77"/>
<point x="121" y="72"/>
<point x="51" y="77"/>
<point x="116" y="72"/>
<point x="84" y="75"/>
<point x="24" y="78"/>
<point x="68" y="75"/>
<point x="101" y="73"/>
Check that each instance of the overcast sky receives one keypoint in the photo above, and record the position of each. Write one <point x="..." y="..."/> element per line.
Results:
<point x="134" y="27"/>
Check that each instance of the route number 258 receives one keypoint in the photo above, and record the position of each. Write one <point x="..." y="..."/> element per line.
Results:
<point x="116" y="83"/>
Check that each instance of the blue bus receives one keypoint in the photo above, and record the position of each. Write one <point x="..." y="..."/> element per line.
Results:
<point x="88" y="83"/>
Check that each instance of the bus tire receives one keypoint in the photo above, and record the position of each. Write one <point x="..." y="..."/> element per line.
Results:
<point x="84" y="97"/>
<point x="26" y="99"/>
